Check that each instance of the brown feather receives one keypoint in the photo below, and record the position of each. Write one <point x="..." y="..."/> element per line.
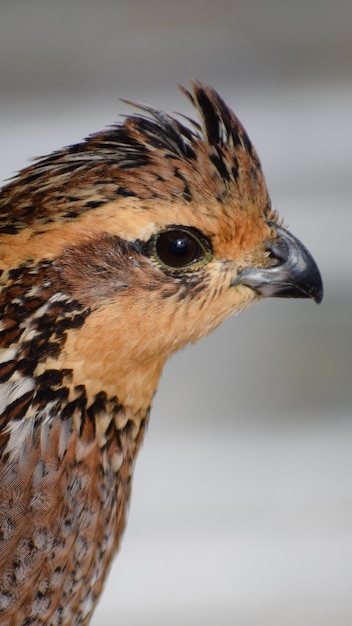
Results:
<point x="89" y="315"/>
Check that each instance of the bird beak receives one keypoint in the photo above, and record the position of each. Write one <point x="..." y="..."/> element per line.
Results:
<point x="293" y="273"/>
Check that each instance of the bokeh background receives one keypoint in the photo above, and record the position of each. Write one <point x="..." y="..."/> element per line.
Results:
<point x="242" y="503"/>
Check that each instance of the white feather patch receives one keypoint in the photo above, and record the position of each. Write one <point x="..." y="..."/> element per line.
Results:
<point x="13" y="390"/>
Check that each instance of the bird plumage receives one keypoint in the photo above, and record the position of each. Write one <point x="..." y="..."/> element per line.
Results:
<point x="115" y="252"/>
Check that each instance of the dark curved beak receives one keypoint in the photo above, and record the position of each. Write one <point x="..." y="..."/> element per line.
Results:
<point x="293" y="273"/>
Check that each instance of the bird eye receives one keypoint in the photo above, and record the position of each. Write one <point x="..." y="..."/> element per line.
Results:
<point x="178" y="248"/>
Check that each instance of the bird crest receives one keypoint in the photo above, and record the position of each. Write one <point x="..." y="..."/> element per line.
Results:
<point x="149" y="155"/>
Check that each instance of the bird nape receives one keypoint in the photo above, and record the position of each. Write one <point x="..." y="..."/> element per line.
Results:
<point x="115" y="253"/>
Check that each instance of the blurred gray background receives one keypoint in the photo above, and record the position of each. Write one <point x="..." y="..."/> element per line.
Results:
<point x="242" y="503"/>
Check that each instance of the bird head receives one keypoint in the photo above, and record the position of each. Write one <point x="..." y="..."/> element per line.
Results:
<point x="158" y="230"/>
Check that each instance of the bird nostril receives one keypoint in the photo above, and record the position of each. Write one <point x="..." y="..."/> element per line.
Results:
<point x="277" y="252"/>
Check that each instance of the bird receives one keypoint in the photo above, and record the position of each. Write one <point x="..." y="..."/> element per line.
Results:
<point x="115" y="253"/>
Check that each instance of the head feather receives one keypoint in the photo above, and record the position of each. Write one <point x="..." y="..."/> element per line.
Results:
<point x="149" y="155"/>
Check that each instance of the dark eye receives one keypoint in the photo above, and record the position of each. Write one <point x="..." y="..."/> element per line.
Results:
<point x="178" y="248"/>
